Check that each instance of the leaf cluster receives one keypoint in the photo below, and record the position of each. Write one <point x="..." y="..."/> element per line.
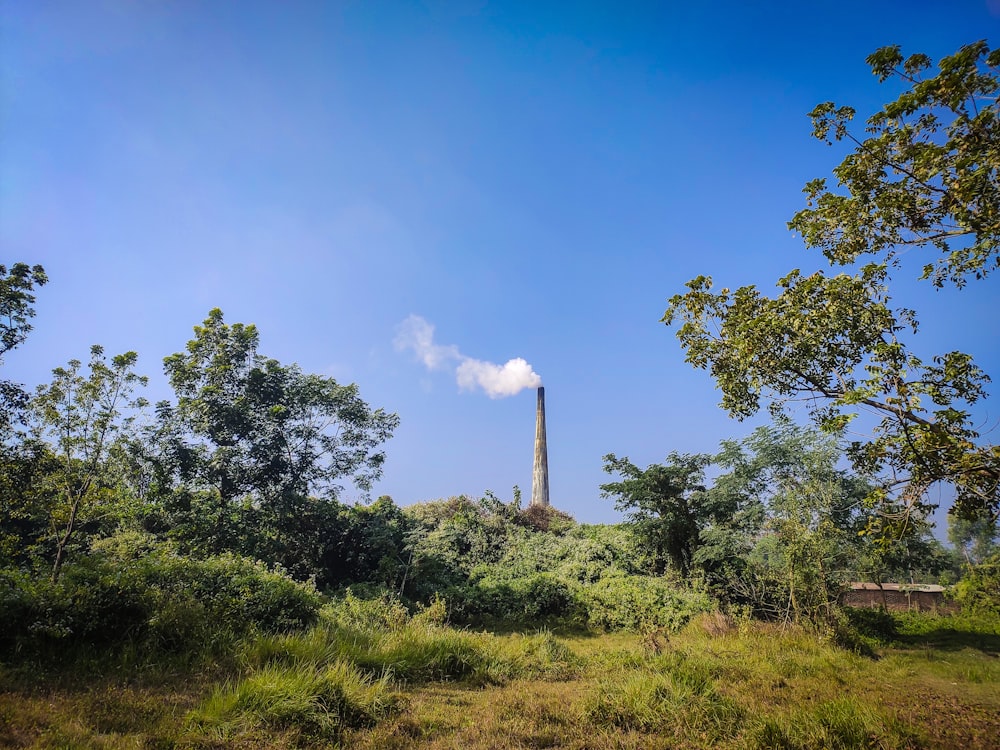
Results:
<point x="926" y="176"/>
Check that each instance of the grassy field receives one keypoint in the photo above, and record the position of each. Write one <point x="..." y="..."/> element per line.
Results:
<point x="413" y="683"/>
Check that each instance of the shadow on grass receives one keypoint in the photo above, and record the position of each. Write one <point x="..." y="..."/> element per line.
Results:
<point x="951" y="639"/>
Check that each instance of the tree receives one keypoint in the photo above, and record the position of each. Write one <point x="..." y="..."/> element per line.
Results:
<point x="82" y="416"/>
<point x="975" y="540"/>
<point x="795" y="534"/>
<point x="248" y="430"/>
<point x="666" y="503"/>
<point x="16" y="310"/>
<point x="926" y="177"/>
<point x="26" y="468"/>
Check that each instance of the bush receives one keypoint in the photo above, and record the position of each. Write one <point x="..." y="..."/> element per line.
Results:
<point x="157" y="599"/>
<point x="530" y="600"/>
<point x="879" y="625"/>
<point x="979" y="590"/>
<point x="384" y="612"/>
<point x="638" y="602"/>
<point x="544" y="518"/>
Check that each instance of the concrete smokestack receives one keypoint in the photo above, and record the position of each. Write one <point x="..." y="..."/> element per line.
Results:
<point x="540" y="476"/>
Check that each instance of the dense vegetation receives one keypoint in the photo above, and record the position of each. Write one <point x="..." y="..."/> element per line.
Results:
<point x="198" y="552"/>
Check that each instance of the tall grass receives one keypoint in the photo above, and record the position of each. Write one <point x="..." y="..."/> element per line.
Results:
<point x="370" y="675"/>
<point x="838" y="724"/>
<point x="318" y="703"/>
<point x="415" y="650"/>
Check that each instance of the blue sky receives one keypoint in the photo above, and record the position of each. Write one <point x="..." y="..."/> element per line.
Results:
<point x="532" y="179"/>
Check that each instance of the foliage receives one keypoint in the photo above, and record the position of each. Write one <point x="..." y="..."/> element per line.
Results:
<point x="256" y="425"/>
<point x="449" y="538"/>
<point x="148" y="595"/>
<point x="975" y="540"/>
<point x="544" y="518"/>
<point x="799" y="555"/>
<point x="17" y="299"/>
<point x="252" y="448"/>
<point x="979" y="590"/>
<point x="583" y="555"/>
<point x="925" y="177"/>
<point x="638" y="602"/>
<point x="83" y="416"/>
<point x="666" y="503"/>
<point x="26" y="466"/>
<point x="530" y="601"/>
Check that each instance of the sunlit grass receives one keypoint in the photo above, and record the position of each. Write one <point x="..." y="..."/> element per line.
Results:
<point x="378" y="680"/>
<point x="317" y="703"/>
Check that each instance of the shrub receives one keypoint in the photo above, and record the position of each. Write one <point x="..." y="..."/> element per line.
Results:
<point x="637" y="602"/>
<point x="979" y="590"/>
<point x="529" y="600"/>
<point x="876" y="625"/>
<point x="384" y="612"/>
<point x="157" y="599"/>
<point x="544" y="519"/>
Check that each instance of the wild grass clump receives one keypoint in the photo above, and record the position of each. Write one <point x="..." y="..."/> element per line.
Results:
<point x="679" y="703"/>
<point x="713" y="624"/>
<point x="384" y="612"/>
<point x="540" y="655"/>
<point x="382" y="639"/>
<point x="838" y="724"/>
<point x="318" y="703"/>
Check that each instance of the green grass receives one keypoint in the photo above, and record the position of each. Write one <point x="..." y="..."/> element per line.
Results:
<point x="385" y="680"/>
<point x="315" y="703"/>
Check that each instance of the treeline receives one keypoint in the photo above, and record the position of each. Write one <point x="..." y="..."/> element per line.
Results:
<point x="218" y="512"/>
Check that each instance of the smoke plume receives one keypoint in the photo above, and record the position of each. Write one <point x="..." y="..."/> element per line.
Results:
<point x="496" y="380"/>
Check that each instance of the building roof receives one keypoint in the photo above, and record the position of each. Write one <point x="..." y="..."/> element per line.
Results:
<point x="867" y="586"/>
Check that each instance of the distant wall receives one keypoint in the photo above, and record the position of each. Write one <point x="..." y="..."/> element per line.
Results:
<point x="894" y="599"/>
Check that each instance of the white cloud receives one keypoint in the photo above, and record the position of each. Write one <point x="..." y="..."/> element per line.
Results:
<point x="497" y="381"/>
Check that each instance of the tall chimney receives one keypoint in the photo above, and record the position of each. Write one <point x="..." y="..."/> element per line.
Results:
<point x="540" y="476"/>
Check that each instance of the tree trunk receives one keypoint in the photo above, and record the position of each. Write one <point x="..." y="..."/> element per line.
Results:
<point x="62" y="541"/>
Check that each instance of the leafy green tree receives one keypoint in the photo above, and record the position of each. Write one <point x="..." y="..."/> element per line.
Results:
<point x="17" y="299"/>
<point x="975" y="539"/>
<point x="922" y="180"/>
<point x="666" y="503"/>
<point x="81" y="416"/>
<point x="26" y="468"/>
<point x="249" y="435"/>
<point x="793" y="563"/>
<point x="914" y="557"/>
<point x="979" y="590"/>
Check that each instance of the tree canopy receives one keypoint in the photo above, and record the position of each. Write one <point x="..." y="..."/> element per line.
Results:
<point x="17" y="299"/>
<point x="245" y="423"/>
<point x="667" y="504"/>
<point x="926" y="176"/>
